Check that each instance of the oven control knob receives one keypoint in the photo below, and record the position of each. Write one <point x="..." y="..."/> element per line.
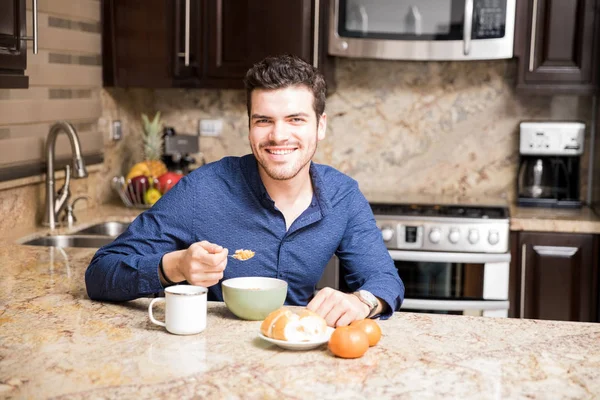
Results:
<point x="435" y="235"/>
<point x="387" y="233"/>
<point x="494" y="237"/>
<point x="473" y="236"/>
<point x="454" y="235"/>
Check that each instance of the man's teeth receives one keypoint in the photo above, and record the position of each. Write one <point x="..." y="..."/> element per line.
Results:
<point x="281" y="152"/>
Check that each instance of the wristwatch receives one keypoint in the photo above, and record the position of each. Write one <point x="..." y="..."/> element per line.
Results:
<point x="369" y="299"/>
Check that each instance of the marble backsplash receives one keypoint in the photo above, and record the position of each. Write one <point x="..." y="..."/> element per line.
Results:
<point x="398" y="128"/>
<point x="431" y="128"/>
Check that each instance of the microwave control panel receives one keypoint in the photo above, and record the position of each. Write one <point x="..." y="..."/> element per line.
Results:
<point x="489" y="19"/>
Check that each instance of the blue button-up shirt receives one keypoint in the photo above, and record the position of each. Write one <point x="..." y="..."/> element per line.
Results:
<point x="226" y="203"/>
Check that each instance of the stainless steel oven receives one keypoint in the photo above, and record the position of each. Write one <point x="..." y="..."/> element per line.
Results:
<point x="454" y="283"/>
<point x="452" y="259"/>
<point x="423" y="29"/>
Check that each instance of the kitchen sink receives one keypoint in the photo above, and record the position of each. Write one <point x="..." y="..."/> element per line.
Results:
<point x="109" y="228"/>
<point x="70" y="241"/>
<point x="94" y="236"/>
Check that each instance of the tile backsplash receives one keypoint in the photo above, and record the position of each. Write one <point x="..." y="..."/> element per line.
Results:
<point x="398" y="128"/>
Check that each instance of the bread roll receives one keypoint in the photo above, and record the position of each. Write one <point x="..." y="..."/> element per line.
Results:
<point x="284" y="324"/>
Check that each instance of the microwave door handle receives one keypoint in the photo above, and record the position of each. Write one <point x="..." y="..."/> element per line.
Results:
<point x="454" y="305"/>
<point x="414" y="18"/>
<point x="468" y="26"/>
<point x="364" y="20"/>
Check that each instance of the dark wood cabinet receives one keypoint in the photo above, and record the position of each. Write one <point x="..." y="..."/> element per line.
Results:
<point x="206" y="43"/>
<point x="554" y="276"/>
<point x="13" y="48"/>
<point x="137" y="43"/>
<point x="556" y="42"/>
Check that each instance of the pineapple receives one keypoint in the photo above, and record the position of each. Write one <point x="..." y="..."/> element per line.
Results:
<point x="153" y="143"/>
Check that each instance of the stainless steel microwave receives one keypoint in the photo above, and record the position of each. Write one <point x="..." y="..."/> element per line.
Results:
<point x="422" y="29"/>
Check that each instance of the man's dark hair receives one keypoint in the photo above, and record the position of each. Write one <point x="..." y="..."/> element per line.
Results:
<point x="283" y="71"/>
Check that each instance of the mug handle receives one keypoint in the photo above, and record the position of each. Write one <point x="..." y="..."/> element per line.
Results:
<point x="154" y="320"/>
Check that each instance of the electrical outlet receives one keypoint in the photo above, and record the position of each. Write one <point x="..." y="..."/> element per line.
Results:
<point x="210" y="127"/>
<point x="116" y="132"/>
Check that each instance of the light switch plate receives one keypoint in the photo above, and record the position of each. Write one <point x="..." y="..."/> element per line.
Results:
<point x="116" y="132"/>
<point x="210" y="127"/>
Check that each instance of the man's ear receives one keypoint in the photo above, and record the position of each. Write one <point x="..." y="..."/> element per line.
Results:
<point x="322" y="127"/>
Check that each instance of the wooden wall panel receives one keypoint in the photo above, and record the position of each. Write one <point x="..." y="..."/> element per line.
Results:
<point x="31" y="111"/>
<point x="64" y="76"/>
<point x="70" y="39"/>
<point x="28" y="149"/>
<point x="65" y="79"/>
<point x="82" y="9"/>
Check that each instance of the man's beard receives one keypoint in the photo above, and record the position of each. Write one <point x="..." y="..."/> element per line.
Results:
<point x="285" y="172"/>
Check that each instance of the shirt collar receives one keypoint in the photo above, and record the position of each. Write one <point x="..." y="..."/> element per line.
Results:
<point x="249" y="167"/>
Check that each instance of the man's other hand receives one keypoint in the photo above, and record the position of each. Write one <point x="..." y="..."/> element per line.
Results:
<point x="338" y="309"/>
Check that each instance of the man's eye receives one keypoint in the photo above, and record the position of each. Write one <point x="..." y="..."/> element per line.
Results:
<point x="297" y="120"/>
<point x="262" y="121"/>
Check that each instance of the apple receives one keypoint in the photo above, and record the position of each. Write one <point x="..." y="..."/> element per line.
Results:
<point x="136" y="188"/>
<point x="167" y="180"/>
<point x="151" y="196"/>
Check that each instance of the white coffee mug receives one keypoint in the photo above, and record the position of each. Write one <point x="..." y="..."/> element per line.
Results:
<point x="185" y="309"/>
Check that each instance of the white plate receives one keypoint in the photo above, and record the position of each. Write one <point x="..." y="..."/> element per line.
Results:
<point x="300" y="345"/>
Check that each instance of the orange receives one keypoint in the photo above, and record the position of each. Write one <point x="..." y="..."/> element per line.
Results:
<point x="348" y="342"/>
<point x="371" y="328"/>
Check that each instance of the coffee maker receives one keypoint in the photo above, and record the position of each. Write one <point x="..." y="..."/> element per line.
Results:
<point x="177" y="150"/>
<point x="549" y="164"/>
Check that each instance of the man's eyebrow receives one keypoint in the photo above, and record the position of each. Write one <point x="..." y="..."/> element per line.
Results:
<point x="300" y="114"/>
<point x="258" y="116"/>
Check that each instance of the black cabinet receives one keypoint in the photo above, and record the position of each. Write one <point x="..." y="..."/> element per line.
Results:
<point x="13" y="49"/>
<point x="554" y="276"/>
<point x="206" y="43"/>
<point x="557" y="42"/>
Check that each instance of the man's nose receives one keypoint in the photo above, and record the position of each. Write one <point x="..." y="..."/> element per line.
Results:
<point x="280" y="132"/>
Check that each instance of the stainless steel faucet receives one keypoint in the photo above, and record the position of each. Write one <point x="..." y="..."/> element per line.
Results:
<point x="54" y="204"/>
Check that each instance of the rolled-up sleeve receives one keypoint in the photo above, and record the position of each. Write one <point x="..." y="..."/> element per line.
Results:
<point x="365" y="262"/>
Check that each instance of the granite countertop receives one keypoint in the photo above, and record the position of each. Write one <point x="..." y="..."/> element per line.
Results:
<point x="55" y="342"/>
<point x="582" y="220"/>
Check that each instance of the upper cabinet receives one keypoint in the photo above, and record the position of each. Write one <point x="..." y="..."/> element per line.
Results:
<point x="13" y="50"/>
<point x="137" y="43"/>
<point x="207" y="43"/>
<point x="557" y="46"/>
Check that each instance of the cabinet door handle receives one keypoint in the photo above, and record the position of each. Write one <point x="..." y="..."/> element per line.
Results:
<point x="555" y="251"/>
<point x="35" y="27"/>
<point x="523" y="273"/>
<point x="316" y="35"/>
<point x="186" y="59"/>
<point x="468" y="26"/>
<point x="186" y="46"/>
<point x="533" y="34"/>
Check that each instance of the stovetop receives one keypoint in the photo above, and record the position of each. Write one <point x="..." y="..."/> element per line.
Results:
<point x="436" y="210"/>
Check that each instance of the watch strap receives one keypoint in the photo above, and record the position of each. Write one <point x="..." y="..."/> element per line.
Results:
<point x="372" y="304"/>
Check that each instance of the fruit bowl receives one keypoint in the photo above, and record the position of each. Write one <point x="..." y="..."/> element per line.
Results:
<point x="132" y="191"/>
<point x="142" y="191"/>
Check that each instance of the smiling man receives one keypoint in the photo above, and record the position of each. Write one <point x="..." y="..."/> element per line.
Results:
<point x="295" y="215"/>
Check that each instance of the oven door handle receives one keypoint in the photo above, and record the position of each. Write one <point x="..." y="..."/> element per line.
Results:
<point x="455" y="305"/>
<point x="449" y="257"/>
